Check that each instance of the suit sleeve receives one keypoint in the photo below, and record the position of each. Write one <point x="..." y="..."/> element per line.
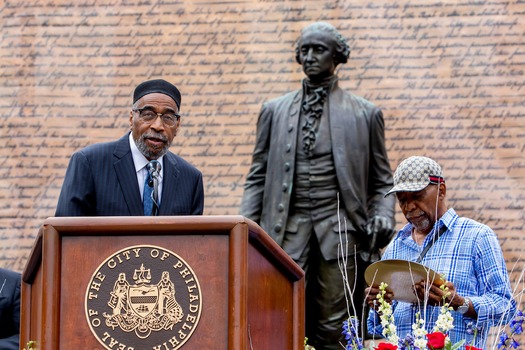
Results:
<point x="198" y="198"/>
<point x="252" y="200"/>
<point x="380" y="173"/>
<point x="77" y="195"/>
<point x="11" y="331"/>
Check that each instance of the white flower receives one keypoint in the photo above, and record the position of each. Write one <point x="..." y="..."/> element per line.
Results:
<point x="445" y="321"/>
<point x="420" y="343"/>
<point x="419" y="332"/>
<point x="387" y="318"/>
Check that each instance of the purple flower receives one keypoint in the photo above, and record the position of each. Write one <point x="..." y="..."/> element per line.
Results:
<point x="507" y="341"/>
<point x="516" y="325"/>
<point x="407" y="343"/>
<point x="351" y="333"/>
<point x="473" y="329"/>
<point x="503" y="340"/>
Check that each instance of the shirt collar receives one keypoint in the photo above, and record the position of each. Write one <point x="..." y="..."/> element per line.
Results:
<point x="448" y="219"/>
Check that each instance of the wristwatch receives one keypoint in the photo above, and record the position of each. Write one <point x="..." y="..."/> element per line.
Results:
<point x="462" y="309"/>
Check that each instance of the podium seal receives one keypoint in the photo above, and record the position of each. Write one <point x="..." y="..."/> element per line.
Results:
<point x="143" y="297"/>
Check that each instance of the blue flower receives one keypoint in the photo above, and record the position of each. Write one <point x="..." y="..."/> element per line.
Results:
<point x="516" y="325"/>
<point x="507" y="341"/>
<point x="351" y="333"/>
<point x="473" y="329"/>
<point x="408" y="343"/>
<point x="503" y="340"/>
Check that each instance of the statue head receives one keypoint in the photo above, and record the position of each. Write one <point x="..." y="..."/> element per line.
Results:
<point x="336" y="41"/>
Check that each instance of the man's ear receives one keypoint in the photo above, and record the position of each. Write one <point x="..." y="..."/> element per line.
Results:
<point x="130" y="119"/>
<point x="442" y="190"/>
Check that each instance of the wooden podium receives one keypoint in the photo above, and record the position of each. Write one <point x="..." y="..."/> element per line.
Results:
<point x="103" y="283"/>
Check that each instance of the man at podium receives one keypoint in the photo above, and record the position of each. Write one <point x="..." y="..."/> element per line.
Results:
<point x="137" y="174"/>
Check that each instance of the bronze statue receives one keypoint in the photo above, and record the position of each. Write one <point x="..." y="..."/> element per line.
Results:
<point x="320" y="165"/>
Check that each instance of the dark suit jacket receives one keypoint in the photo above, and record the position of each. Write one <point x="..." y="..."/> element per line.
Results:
<point x="358" y="147"/>
<point x="101" y="181"/>
<point x="9" y="310"/>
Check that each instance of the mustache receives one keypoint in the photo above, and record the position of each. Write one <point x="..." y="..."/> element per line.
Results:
<point x="414" y="215"/>
<point x="154" y="135"/>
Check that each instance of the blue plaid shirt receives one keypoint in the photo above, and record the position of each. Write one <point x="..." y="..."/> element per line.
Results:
<point x="468" y="254"/>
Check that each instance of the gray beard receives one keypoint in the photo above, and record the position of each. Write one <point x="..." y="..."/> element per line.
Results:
<point x="147" y="152"/>
<point x="423" y="226"/>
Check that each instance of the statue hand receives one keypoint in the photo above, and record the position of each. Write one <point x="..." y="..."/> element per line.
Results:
<point x="380" y="226"/>
<point x="379" y="231"/>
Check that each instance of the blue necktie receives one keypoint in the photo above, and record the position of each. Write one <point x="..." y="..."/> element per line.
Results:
<point x="147" y="198"/>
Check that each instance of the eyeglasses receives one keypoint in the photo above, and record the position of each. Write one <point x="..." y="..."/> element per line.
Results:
<point x="147" y="115"/>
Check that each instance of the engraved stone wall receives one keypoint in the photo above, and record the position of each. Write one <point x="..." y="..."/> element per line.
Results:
<point x="449" y="76"/>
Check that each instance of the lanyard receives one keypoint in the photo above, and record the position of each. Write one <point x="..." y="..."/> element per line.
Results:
<point x="437" y="234"/>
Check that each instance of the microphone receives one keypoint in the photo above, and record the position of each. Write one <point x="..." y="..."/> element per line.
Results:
<point x="154" y="168"/>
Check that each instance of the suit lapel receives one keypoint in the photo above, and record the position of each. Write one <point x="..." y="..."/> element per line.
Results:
<point x="169" y="185"/>
<point x="338" y="127"/>
<point x="126" y="176"/>
<point x="345" y="136"/>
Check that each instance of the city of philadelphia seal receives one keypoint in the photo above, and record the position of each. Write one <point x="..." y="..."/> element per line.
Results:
<point x="143" y="297"/>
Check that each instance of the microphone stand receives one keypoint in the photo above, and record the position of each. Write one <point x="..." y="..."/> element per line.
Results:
<point x="155" y="209"/>
<point x="154" y="167"/>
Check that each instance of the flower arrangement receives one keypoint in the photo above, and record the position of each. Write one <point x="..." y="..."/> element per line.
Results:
<point x="437" y="340"/>
<point x="419" y="339"/>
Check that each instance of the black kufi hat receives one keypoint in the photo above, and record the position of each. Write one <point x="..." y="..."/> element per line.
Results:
<point x="157" y="85"/>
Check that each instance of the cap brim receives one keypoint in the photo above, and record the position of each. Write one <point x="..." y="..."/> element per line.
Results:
<point x="407" y="187"/>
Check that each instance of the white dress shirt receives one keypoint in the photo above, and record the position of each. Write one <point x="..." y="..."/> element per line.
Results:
<point x="140" y="167"/>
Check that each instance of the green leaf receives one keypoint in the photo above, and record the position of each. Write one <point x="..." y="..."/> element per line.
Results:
<point x="458" y="344"/>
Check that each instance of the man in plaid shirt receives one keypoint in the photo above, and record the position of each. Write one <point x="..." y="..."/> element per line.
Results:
<point x="465" y="252"/>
